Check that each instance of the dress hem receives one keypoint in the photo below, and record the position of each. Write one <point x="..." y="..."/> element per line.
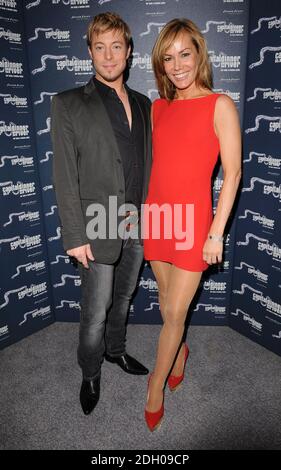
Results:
<point x="195" y="270"/>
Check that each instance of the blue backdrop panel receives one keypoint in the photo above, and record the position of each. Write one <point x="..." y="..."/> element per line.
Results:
<point x="59" y="60"/>
<point x="255" y="305"/>
<point x="44" y="53"/>
<point x="25" y="294"/>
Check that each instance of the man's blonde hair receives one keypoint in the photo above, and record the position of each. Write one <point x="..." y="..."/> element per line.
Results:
<point x="108" y="21"/>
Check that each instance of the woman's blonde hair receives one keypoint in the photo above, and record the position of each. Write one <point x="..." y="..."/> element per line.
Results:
<point x="166" y="37"/>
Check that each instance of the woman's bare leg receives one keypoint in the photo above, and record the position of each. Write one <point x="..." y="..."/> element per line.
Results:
<point x="182" y="286"/>
<point x="161" y="271"/>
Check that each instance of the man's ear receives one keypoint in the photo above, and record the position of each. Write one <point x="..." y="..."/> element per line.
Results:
<point x="128" y="52"/>
<point x="90" y="52"/>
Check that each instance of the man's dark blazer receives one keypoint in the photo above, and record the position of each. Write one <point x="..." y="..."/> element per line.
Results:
<point x="87" y="166"/>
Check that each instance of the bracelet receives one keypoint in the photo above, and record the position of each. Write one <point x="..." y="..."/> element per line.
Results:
<point x="216" y="238"/>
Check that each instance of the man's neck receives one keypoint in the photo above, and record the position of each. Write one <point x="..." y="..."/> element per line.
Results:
<point x="117" y="85"/>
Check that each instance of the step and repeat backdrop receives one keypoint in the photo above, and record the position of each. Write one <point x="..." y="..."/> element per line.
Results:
<point x="256" y="296"/>
<point x="43" y="51"/>
<point x="25" y="286"/>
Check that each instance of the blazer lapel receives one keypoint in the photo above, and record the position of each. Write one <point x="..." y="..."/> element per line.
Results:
<point x="98" y="108"/>
<point x="144" y="125"/>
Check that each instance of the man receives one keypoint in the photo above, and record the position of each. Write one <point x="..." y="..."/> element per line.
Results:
<point x="101" y="140"/>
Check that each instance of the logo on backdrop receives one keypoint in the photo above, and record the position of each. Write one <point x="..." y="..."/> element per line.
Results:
<point x="142" y="62"/>
<point x="4" y="331"/>
<point x="156" y="28"/>
<point x="272" y="22"/>
<point x="32" y="4"/>
<point x="48" y="187"/>
<point x="42" y="96"/>
<point x="217" y="309"/>
<point x="11" y="69"/>
<point x="215" y="287"/>
<point x="263" y="244"/>
<point x="272" y="163"/>
<point x="18" y="102"/>
<point x="25" y="162"/>
<point x="34" y="290"/>
<point x="274" y="123"/>
<point x="23" y="217"/>
<point x="70" y="3"/>
<point x="9" y="5"/>
<point x="57" y="236"/>
<point x="76" y="280"/>
<point x="258" y="217"/>
<point x="38" y="312"/>
<point x="218" y="182"/>
<point x="18" y="189"/>
<point x="149" y="284"/>
<point x="13" y="38"/>
<point x="47" y="129"/>
<point x="47" y="157"/>
<point x="225" y="62"/>
<point x="52" y="211"/>
<point x="37" y="266"/>
<point x="152" y="305"/>
<point x="263" y="51"/>
<point x="25" y="242"/>
<point x="270" y="305"/>
<point x="248" y="319"/>
<point x="65" y="259"/>
<point x="50" y="33"/>
<point x="269" y="187"/>
<point x="267" y="93"/>
<point x="78" y="66"/>
<point x="234" y="30"/>
<point x="252" y="270"/>
<point x="16" y="131"/>
<point x="69" y="304"/>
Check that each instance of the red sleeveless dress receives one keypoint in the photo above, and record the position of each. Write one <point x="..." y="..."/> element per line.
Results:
<point x="178" y="209"/>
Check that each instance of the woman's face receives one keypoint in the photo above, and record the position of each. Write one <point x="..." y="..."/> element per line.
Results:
<point x="181" y="64"/>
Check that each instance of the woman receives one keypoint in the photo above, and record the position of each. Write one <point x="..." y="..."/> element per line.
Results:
<point x="191" y="126"/>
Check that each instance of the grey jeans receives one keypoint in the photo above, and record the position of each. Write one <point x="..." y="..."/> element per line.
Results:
<point x="106" y="293"/>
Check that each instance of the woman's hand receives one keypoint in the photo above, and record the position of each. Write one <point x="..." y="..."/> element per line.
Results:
<point x="212" y="251"/>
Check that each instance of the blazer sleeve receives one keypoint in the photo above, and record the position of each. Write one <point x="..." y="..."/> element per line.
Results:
<point x="65" y="176"/>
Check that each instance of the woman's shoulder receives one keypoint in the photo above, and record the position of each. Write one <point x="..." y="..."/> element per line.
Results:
<point x="158" y="104"/>
<point x="225" y="108"/>
<point x="159" y="101"/>
<point x="224" y="100"/>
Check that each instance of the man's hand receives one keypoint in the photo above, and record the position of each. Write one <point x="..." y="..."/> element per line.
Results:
<point x="81" y="253"/>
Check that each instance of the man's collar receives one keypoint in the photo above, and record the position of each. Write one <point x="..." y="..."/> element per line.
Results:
<point x="94" y="84"/>
<point x="102" y="87"/>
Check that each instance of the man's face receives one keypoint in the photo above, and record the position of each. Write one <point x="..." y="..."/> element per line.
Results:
<point x="109" y="53"/>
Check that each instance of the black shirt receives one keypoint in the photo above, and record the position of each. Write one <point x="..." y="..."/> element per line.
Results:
<point x="130" y="142"/>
